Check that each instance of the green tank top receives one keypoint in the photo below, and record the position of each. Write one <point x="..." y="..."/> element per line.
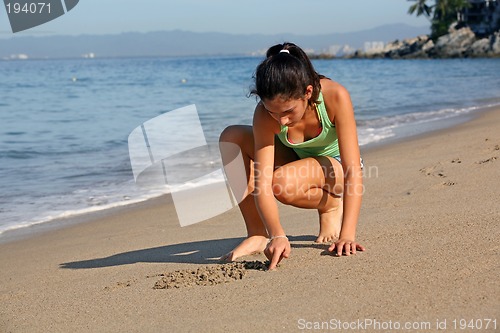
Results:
<point x="325" y="144"/>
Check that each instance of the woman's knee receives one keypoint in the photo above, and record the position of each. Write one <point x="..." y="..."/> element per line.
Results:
<point x="235" y="140"/>
<point x="284" y="189"/>
<point x="234" y="134"/>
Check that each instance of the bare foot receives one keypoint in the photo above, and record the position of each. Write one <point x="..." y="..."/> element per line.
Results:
<point x="251" y="245"/>
<point x="330" y="223"/>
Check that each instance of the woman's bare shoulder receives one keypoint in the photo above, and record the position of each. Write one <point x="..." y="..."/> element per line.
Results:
<point x="333" y="90"/>
<point x="336" y="98"/>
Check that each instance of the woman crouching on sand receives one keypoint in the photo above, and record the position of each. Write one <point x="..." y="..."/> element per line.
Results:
<point x="302" y="150"/>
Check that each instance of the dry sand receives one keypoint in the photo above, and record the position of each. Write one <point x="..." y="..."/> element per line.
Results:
<point x="430" y="222"/>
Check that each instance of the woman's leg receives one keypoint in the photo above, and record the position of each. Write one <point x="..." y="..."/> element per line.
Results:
<point x="233" y="141"/>
<point x="314" y="183"/>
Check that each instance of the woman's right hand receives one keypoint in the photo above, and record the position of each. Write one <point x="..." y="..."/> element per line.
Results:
<point x="277" y="249"/>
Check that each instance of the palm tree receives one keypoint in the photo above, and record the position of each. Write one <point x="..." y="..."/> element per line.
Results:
<point x="446" y="13"/>
<point x="421" y="7"/>
<point x="449" y="8"/>
<point x="441" y="14"/>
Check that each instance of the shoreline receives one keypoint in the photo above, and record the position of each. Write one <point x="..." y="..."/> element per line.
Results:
<point x="450" y="125"/>
<point x="37" y="228"/>
<point x="429" y="221"/>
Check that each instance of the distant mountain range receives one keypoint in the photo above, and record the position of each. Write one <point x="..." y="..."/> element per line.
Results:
<point x="185" y="43"/>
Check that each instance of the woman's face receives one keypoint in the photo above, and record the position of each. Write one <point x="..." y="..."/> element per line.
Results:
<point x="288" y="112"/>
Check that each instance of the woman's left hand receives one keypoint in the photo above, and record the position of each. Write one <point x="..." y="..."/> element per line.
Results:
<point x="346" y="247"/>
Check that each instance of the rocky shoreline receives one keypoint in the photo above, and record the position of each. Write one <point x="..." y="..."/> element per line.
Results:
<point x="458" y="43"/>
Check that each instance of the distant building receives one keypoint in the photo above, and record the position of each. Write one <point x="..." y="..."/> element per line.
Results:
<point x="374" y="47"/>
<point x="334" y="50"/>
<point x="20" y="56"/>
<point x="483" y="16"/>
<point x="340" y="50"/>
<point x="309" y="51"/>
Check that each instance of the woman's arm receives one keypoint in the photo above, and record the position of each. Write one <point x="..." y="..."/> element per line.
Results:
<point x="265" y="128"/>
<point x="337" y="97"/>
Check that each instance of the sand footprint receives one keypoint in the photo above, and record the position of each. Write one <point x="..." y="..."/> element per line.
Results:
<point x="491" y="159"/>
<point x="436" y="170"/>
<point x="121" y="284"/>
<point x="489" y="150"/>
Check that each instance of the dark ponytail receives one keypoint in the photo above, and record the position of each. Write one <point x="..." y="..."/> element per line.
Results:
<point x="286" y="72"/>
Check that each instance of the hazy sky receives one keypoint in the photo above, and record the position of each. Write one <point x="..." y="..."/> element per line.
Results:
<point x="231" y="16"/>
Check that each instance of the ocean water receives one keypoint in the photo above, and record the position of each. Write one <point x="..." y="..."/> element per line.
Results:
<point x="65" y="123"/>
